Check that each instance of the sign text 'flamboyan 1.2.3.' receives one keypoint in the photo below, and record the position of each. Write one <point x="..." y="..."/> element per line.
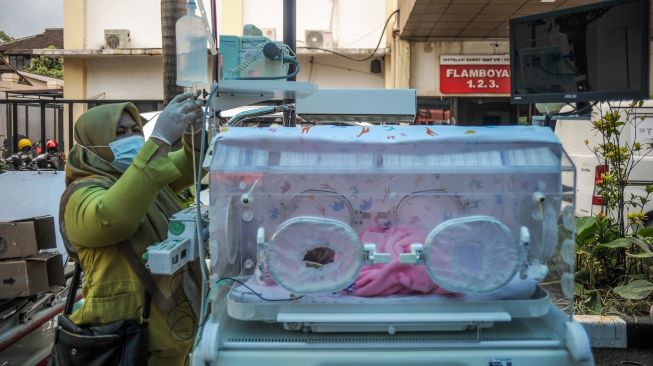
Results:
<point x="475" y="74"/>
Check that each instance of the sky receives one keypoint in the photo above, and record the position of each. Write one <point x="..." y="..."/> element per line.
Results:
<point x="21" y="18"/>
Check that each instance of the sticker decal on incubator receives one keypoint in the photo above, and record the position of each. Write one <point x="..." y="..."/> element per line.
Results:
<point x="500" y="362"/>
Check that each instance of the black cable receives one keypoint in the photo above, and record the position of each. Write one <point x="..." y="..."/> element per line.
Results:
<point x="631" y="363"/>
<point x="180" y="313"/>
<point x="256" y="293"/>
<point x="371" y="55"/>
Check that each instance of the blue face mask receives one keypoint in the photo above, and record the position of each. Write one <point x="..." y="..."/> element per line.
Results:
<point x="125" y="150"/>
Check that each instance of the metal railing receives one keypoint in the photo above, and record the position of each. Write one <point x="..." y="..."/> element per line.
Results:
<point x="44" y="119"/>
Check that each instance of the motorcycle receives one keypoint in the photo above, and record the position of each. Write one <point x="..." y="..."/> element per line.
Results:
<point x="49" y="160"/>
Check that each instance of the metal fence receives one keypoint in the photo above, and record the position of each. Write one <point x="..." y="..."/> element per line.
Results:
<point x="44" y="119"/>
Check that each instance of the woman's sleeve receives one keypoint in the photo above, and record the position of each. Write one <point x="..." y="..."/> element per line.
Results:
<point x="183" y="160"/>
<point x="96" y="217"/>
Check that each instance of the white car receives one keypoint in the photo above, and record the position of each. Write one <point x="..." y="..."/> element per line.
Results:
<point x="274" y="119"/>
<point x="573" y="133"/>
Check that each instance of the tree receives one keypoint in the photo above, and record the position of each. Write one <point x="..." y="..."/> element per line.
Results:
<point x="171" y="11"/>
<point x="4" y="37"/>
<point x="46" y="66"/>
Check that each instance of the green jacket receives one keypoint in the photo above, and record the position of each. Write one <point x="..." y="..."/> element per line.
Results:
<point x="96" y="218"/>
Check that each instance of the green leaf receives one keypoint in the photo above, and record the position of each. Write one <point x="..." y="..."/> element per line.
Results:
<point x="582" y="276"/>
<point x="594" y="302"/>
<point x="647" y="231"/>
<point x="636" y="290"/>
<point x="579" y="290"/>
<point x="640" y="243"/>
<point x="641" y="255"/>
<point x="617" y="243"/>
<point x="585" y="227"/>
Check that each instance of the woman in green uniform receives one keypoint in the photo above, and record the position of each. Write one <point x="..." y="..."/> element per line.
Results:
<point x="122" y="188"/>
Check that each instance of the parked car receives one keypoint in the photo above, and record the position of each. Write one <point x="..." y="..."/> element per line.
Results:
<point x="573" y="133"/>
<point x="271" y="120"/>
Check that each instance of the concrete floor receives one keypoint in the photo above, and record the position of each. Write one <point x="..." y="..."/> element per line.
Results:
<point x="31" y="349"/>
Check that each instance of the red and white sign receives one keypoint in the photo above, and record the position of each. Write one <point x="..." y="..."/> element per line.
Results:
<point x="475" y="74"/>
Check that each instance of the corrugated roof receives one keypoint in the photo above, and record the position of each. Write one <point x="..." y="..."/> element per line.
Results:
<point x="24" y="46"/>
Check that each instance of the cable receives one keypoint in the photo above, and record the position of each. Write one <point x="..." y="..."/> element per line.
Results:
<point x="181" y="313"/>
<point x="256" y="293"/>
<point x="370" y="56"/>
<point x="197" y="181"/>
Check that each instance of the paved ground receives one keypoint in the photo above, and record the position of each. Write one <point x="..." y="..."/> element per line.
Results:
<point x="31" y="349"/>
<point x="624" y="357"/>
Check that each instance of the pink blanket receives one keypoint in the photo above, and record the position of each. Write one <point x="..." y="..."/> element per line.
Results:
<point x="394" y="277"/>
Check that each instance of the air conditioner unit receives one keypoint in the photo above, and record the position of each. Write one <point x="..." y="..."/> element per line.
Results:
<point x="116" y="38"/>
<point x="319" y="39"/>
<point x="270" y="33"/>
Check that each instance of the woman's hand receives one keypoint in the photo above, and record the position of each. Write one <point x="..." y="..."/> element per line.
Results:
<point x="181" y="110"/>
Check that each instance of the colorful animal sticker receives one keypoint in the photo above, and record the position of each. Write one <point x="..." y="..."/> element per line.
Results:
<point x="364" y="130"/>
<point x="285" y="187"/>
<point x="338" y="205"/>
<point x="475" y="183"/>
<point x="366" y="205"/>
<point x="274" y="213"/>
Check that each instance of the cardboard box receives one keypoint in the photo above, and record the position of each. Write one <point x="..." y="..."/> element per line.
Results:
<point x="23" y="238"/>
<point x="26" y="277"/>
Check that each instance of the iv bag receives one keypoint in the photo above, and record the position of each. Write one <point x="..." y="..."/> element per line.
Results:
<point x="192" y="56"/>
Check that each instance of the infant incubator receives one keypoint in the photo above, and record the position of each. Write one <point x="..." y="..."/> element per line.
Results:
<point x="391" y="244"/>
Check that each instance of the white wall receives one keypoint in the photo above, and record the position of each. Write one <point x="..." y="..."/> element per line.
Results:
<point x="141" y="17"/>
<point x="425" y="60"/>
<point x="133" y="77"/>
<point x="335" y="72"/>
<point x="357" y="24"/>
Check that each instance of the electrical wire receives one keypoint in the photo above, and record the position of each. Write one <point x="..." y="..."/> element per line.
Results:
<point x="370" y="56"/>
<point x="181" y="314"/>
<point x="254" y="292"/>
<point x="197" y="182"/>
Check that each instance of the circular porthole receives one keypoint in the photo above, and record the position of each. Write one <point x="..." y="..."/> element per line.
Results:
<point x="312" y="255"/>
<point x="471" y="255"/>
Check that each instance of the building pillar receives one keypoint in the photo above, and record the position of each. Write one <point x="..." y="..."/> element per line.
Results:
<point x="74" y="68"/>
<point x="231" y="17"/>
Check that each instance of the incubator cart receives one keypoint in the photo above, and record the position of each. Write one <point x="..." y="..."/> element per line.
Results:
<point x="391" y="245"/>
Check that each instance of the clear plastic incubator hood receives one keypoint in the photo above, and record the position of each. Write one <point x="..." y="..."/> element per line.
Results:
<point x="391" y="245"/>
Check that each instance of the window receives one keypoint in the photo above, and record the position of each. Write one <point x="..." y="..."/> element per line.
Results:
<point x="20" y="62"/>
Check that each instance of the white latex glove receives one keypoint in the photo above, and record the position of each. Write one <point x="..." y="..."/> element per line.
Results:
<point x="196" y="125"/>
<point x="175" y="116"/>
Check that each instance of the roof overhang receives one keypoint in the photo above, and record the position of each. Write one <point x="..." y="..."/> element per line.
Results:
<point x="93" y="53"/>
<point x="442" y="20"/>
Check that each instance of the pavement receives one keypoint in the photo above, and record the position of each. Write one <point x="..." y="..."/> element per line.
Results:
<point x="31" y="349"/>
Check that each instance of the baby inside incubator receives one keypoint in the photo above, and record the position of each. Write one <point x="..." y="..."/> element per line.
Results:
<point x="428" y="242"/>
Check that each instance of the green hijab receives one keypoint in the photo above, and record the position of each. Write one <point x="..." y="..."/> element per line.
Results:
<point x="93" y="133"/>
<point x="91" y="155"/>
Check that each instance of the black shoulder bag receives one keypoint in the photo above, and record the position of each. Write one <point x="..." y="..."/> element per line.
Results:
<point x="122" y="342"/>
